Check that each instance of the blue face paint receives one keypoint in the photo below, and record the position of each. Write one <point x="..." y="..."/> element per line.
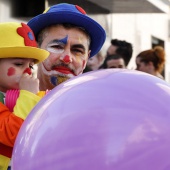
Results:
<point x="54" y="80"/>
<point x="63" y="41"/>
<point x="51" y="47"/>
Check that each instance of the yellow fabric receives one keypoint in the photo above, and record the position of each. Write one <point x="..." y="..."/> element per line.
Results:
<point x="25" y="103"/>
<point x="41" y="93"/>
<point x="4" y="162"/>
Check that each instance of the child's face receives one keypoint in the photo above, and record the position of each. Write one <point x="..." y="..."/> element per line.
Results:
<point x="11" y="70"/>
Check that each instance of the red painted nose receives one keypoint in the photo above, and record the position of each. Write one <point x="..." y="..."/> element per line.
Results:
<point x="66" y="59"/>
<point x="28" y="70"/>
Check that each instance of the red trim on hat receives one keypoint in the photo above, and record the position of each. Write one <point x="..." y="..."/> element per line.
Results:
<point x="27" y="34"/>
<point x="80" y="9"/>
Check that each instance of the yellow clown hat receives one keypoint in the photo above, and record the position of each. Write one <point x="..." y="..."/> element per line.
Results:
<point x="17" y="41"/>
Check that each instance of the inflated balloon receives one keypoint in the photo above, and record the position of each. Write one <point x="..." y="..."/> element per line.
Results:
<point x="103" y="120"/>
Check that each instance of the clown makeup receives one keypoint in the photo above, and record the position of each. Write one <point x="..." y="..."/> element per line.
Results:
<point x="69" y="52"/>
<point x="57" y="46"/>
<point x="57" y="80"/>
<point x="28" y="71"/>
<point x="11" y="69"/>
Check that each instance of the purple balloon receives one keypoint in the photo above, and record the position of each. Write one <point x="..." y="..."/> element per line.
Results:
<point x="112" y="119"/>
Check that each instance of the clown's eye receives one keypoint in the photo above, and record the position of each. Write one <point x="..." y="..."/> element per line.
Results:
<point x="18" y="64"/>
<point x="55" y="48"/>
<point x="31" y="67"/>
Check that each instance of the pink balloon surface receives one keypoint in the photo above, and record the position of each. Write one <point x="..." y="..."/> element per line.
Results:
<point x="112" y="119"/>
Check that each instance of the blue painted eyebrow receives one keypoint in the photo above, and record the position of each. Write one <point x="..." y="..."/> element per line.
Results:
<point x="63" y="41"/>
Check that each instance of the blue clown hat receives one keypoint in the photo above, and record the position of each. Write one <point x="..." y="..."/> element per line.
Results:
<point x="73" y="14"/>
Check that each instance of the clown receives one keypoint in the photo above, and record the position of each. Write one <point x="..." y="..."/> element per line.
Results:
<point x="71" y="37"/>
<point x="18" y="54"/>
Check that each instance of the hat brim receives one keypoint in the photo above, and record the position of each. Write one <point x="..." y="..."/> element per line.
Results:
<point x="24" y="52"/>
<point x="94" y="29"/>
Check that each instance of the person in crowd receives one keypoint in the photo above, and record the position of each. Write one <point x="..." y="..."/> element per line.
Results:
<point x="113" y="61"/>
<point x="122" y="48"/>
<point x="18" y="54"/>
<point x="151" y="61"/>
<point x="71" y="37"/>
<point x="94" y="62"/>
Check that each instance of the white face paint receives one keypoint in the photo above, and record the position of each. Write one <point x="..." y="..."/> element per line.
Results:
<point x="50" y="48"/>
<point x="55" y="72"/>
<point x="57" y="46"/>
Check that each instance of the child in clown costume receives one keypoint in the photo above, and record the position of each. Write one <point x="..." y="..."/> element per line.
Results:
<point x="18" y="54"/>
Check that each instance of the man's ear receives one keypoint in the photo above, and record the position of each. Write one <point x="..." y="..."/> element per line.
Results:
<point x="89" y="53"/>
<point x="86" y="59"/>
